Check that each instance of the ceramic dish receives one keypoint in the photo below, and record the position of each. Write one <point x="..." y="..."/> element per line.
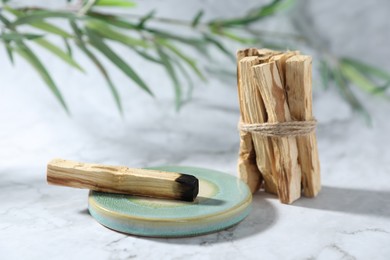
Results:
<point x="223" y="201"/>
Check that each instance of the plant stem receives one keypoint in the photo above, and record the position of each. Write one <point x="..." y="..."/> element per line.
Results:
<point x="85" y="8"/>
<point x="201" y="26"/>
<point x="293" y="36"/>
<point x="206" y="26"/>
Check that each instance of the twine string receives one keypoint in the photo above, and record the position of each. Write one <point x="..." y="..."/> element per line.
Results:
<point x="292" y="128"/>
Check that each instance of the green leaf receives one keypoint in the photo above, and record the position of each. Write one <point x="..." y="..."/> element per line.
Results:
<point x="99" y="44"/>
<point x="8" y="48"/>
<point x="147" y="56"/>
<point x="190" y="62"/>
<point x="44" y="26"/>
<point x="41" y="15"/>
<point x="112" y="20"/>
<point x="352" y="74"/>
<point x="365" y="68"/>
<point x="107" y="32"/>
<point x="5" y="21"/>
<point x="7" y="43"/>
<point x="198" y="44"/>
<point x="325" y="73"/>
<point x="228" y="74"/>
<point x="59" y="53"/>
<point x="68" y="48"/>
<point x="15" y="36"/>
<point x="86" y="7"/>
<point x="236" y="38"/>
<point x="146" y="18"/>
<point x="197" y="18"/>
<point x="115" y="3"/>
<point x="271" y="8"/>
<point x="220" y="46"/>
<point x="188" y="78"/>
<point x="28" y="55"/>
<point x="171" y="72"/>
<point x="195" y="42"/>
<point x="382" y="89"/>
<point x="254" y="15"/>
<point x="349" y="96"/>
<point x="98" y="64"/>
<point x="47" y="27"/>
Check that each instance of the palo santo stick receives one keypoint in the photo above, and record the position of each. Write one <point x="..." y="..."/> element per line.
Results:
<point x="255" y="52"/>
<point x="119" y="179"/>
<point x="280" y="60"/>
<point x="299" y="95"/>
<point x="247" y="167"/>
<point x="285" y="148"/>
<point x="253" y="112"/>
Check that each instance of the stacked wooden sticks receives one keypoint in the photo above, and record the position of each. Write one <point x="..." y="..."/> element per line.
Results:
<point x="276" y="87"/>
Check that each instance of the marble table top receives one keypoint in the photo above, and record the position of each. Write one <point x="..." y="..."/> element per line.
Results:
<point x="350" y="219"/>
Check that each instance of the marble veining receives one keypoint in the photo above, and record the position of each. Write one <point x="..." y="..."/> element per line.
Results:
<point x="350" y="219"/>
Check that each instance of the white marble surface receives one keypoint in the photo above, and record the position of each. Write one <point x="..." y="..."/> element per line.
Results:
<point x="350" y="219"/>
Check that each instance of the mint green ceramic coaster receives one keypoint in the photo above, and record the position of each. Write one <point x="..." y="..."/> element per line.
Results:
<point x="223" y="201"/>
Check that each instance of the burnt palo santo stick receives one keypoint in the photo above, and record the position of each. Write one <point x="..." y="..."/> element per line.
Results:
<point x="120" y="179"/>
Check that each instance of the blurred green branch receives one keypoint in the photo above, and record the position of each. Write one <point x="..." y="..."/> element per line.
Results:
<point x="92" y="29"/>
<point x="347" y="72"/>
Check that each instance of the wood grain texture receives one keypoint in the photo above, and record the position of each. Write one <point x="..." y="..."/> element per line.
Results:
<point x="252" y="112"/>
<point x="280" y="61"/>
<point x="275" y="87"/>
<point x="246" y="165"/>
<point x="299" y="95"/>
<point x="285" y="152"/>
<point x="120" y="179"/>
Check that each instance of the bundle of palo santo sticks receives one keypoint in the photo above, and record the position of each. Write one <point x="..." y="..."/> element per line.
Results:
<point x="278" y="147"/>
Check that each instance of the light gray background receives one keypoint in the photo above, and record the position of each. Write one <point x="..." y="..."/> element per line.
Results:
<point x="349" y="219"/>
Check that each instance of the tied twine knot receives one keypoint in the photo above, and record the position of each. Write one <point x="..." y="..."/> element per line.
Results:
<point x="292" y="128"/>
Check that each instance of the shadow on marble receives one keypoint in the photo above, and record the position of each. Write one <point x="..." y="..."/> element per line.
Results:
<point x="262" y="217"/>
<point x="84" y="212"/>
<point x="348" y="200"/>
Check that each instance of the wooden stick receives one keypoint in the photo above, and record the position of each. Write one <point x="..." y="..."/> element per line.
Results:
<point x="285" y="161"/>
<point x="255" y="52"/>
<point x="118" y="179"/>
<point x="280" y="61"/>
<point x="299" y="95"/>
<point x="247" y="167"/>
<point x="252" y="112"/>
